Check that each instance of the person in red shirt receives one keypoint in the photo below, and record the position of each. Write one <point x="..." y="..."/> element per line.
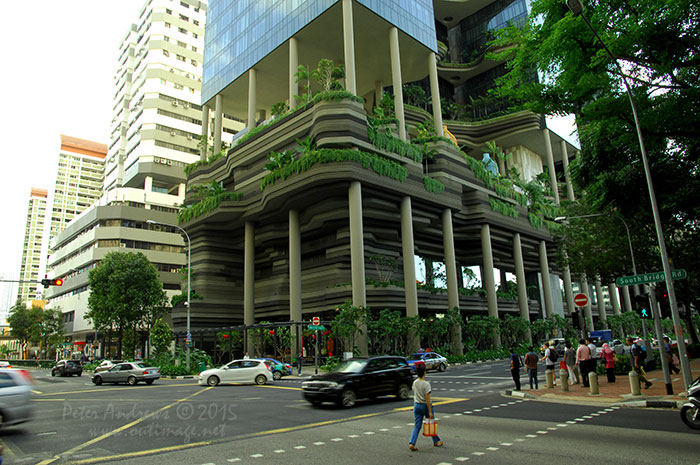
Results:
<point x="583" y="360"/>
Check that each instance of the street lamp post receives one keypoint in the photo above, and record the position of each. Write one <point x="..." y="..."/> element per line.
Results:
<point x="576" y="8"/>
<point x="189" y="267"/>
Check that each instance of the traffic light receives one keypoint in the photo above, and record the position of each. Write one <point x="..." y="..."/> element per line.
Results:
<point x="642" y="306"/>
<point x="574" y="319"/>
<point x="52" y="282"/>
<point x="664" y="305"/>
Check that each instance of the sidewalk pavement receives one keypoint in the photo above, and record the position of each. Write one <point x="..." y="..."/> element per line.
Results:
<point x="615" y="393"/>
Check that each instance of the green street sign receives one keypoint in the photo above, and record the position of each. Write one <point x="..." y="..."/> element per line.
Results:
<point x="649" y="278"/>
<point x="317" y="327"/>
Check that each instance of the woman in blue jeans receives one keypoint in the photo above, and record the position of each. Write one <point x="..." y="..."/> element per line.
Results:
<point x="422" y="407"/>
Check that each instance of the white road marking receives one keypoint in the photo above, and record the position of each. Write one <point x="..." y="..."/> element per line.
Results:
<point x="300" y="447"/>
<point x="530" y="435"/>
<point x="353" y="436"/>
<point x="319" y="443"/>
<point x="461" y="459"/>
<point x="256" y="456"/>
<point x="368" y="433"/>
<point x="506" y="444"/>
<point x="337" y="439"/>
<point x="492" y="448"/>
<point x="478" y="453"/>
<point x="279" y="451"/>
<point x="383" y="429"/>
<point x="233" y="460"/>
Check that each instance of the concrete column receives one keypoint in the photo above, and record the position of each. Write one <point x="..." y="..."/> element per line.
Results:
<point x="249" y="280"/>
<point x="397" y="81"/>
<point x="546" y="284"/>
<point x="349" y="47"/>
<point x="218" y="113"/>
<point x="294" y="274"/>
<point x="567" y="176"/>
<point x="550" y="165"/>
<point x="148" y="184"/>
<point x="203" y="155"/>
<point x="568" y="291"/>
<point x="487" y="276"/>
<point x="451" y="274"/>
<point x="378" y="92"/>
<point x="627" y="299"/>
<point x="435" y="94"/>
<point x="293" y="68"/>
<point x="252" y="97"/>
<point x="357" y="256"/>
<point x="409" y="267"/>
<point x="614" y="301"/>
<point x="520" y="279"/>
<point x="602" y="316"/>
<point x="588" y="315"/>
<point x="500" y="162"/>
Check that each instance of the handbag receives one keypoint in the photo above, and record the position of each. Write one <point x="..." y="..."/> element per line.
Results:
<point x="430" y="426"/>
<point x="675" y="360"/>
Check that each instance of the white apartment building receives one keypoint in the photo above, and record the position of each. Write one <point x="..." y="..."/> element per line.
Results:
<point x="31" y="265"/>
<point x="78" y="180"/>
<point x="154" y="135"/>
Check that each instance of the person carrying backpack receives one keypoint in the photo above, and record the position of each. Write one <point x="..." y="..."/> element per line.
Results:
<point x="515" y="365"/>
<point x="550" y="358"/>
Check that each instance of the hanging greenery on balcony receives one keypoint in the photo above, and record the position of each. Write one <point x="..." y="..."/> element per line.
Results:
<point x="502" y="207"/>
<point x="370" y="161"/>
<point x="433" y="185"/>
<point x="381" y="137"/>
<point x="213" y="194"/>
<point x="336" y="95"/>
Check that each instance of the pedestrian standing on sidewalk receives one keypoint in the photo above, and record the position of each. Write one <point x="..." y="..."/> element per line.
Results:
<point x="549" y="359"/>
<point x="583" y="359"/>
<point x="638" y="356"/>
<point x="570" y="360"/>
<point x="515" y="366"/>
<point x="607" y="356"/>
<point x="594" y="358"/>
<point x="300" y="362"/>
<point x="422" y="407"/>
<point x="531" y="365"/>
<point x="669" y="355"/>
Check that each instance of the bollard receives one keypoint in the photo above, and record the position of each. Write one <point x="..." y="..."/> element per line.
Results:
<point x="634" y="384"/>
<point x="564" y="380"/>
<point x="593" y="382"/>
<point x="549" y="376"/>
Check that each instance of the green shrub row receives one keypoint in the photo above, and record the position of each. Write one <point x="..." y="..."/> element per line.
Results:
<point x="502" y="207"/>
<point x="432" y="185"/>
<point x="336" y="95"/>
<point x="395" y="145"/>
<point x="379" y="165"/>
<point x="206" y="205"/>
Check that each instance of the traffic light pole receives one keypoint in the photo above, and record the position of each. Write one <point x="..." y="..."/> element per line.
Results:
<point x="660" y="340"/>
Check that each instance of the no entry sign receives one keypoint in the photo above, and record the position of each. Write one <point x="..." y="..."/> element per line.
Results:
<point x="581" y="300"/>
<point x="316" y="321"/>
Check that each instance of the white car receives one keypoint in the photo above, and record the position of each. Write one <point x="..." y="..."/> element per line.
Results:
<point x="237" y="371"/>
<point x="5" y="364"/>
<point x="106" y="365"/>
<point x="15" y="396"/>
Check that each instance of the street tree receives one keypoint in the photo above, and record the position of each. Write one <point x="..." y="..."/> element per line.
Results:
<point x="657" y="43"/>
<point x="125" y="293"/>
<point x="161" y="336"/>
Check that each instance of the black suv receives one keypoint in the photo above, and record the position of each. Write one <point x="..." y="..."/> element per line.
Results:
<point x="361" y="378"/>
<point x="67" y="368"/>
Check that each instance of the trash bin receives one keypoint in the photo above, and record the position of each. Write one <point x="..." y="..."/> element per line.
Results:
<point x="201" y="367"/>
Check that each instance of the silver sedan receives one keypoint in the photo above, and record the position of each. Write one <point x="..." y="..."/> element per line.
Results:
<point x="127" y="372"/>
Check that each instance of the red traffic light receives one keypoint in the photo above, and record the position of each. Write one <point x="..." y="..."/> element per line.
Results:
<point x="57" y="282"/>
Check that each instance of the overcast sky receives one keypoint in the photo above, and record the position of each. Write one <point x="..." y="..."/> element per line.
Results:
<point x="60" y="57"/>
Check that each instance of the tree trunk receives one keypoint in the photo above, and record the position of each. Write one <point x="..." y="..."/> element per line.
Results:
<point x="120" y="334"/>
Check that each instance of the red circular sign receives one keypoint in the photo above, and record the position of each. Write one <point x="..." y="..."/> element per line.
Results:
<point x="581" y="300"/>
<point x="316" y="321"/>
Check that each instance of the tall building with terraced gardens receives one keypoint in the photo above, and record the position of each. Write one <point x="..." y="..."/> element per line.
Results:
<point x="318" y="190"/>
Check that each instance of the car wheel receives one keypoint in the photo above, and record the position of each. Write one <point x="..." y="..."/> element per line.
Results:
<point x="213" y="380"/>
<point x="442" y="367"/>
<point x="404" y="392"/>
<point x="260" y="379"/>
<point x="277" y="375"/>
<point x="97" y="380"/>
<point x="53" y="373"/>
<point x="348" y="398"/>
<point x="131" y="380"/>
<point x="315" y="403"/>
<point x="149" y="381"/>
<point x="80" y="374"/>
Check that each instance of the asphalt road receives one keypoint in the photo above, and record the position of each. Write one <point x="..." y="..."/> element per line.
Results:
<point x="177" y="421"/>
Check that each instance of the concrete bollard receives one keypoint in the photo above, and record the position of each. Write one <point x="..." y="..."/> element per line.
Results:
<point x="564" y="380"/>
<point x="593" y="382"/>
<point x="549" y="376"/>
<point x="635" y="389"/>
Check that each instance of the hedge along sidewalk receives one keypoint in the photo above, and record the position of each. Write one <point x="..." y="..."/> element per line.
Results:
<point x="617" y="393"/>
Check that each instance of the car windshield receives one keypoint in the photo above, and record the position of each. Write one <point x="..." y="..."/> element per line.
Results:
<point x="351" y="366"/>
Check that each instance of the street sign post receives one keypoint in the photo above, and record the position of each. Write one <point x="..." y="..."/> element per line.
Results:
<point x="581" y="300"/>
<point x="649" y="278"/>
<point x="317" y="327"/>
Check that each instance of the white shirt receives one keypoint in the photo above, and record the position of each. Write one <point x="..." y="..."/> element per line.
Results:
<point x="592" y="348"/>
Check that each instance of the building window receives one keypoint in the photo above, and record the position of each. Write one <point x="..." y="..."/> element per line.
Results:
<point x="166" y="53"/>
<point x="182" y="30"/>
<point x="194" y="62"/>
<point x="184" y="18"/>
<point x="169" y="11"/>
<point x="195" y="22"/>
<point x="194" y="34"/>
<point x="167" y="24"/>
<point x="180" y="57"/>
